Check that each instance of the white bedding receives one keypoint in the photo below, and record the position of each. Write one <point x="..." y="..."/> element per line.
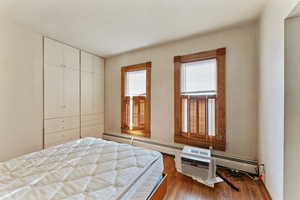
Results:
<point x="86" y="169"/>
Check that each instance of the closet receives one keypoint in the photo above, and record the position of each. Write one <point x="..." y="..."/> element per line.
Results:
<point x="73" y="108"/>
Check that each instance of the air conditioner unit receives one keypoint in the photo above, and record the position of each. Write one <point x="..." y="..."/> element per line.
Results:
<point x="198" y="164"/>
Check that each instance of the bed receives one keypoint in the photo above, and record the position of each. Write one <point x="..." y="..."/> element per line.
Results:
<point x="89" y="169"/>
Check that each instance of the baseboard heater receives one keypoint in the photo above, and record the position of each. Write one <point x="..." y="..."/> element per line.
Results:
<point x="225" y="161"/>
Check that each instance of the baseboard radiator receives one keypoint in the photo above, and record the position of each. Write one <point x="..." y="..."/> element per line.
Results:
<point x="225" y="161"/>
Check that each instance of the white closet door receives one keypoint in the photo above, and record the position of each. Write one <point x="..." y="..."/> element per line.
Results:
<point x="86" y="86"/>
<point x="84" y="93"/>
<point x="71" y="57"/>
<point x="53" y="79"/>
<point x="71" y="82"/>
<point x="92" y="85"/>
<point x="99" y="93"/>
<point x="53" y="53"/>
<point x="86" y="62"/>
<point x="71" y="92"/>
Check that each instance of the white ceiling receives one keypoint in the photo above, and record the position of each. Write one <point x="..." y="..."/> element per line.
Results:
<point x="109" y="27"/>
<point x="295" y="12"/>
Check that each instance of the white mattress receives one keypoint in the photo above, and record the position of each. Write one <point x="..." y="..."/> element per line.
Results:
<point x="144" y="186"/>
<point x="86" y="169"/>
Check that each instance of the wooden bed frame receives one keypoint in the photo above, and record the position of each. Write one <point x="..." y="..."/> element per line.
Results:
<point x="160" y="190"/>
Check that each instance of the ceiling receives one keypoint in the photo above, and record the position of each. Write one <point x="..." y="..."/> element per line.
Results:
<point x="110" y="27"/>
<point x="295" y="12"/>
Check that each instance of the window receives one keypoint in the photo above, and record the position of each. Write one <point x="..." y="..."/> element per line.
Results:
<point x="200" y="99"/>
<point x="135" y="97"/>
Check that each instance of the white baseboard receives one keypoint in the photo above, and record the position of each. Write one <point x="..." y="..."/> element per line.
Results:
<point x="229" y="162"/>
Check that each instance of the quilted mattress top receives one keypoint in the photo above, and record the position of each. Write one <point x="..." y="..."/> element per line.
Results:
<point x="86" y="169"/>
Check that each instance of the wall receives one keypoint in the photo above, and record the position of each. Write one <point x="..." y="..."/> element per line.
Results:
<point x="292" y="110"/>
<point x="241" y="86"/>
<point x="21" y="88"/>
<point x="271" y="93"/>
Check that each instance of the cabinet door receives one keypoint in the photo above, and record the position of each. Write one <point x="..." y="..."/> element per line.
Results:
<point x="71" y="123"/>
<point x="84" y="92"/>
<point x="87" y="93"/>
<point x="92" y="95"/>
<point x="99" y="94"/>
<point x="53" y="91"/>
<point x="54" y="125"/>
<point x="87" y="84"/>
<point x="53" y="52"/>
<point x="91" y="131"/>
<point x="61" y="137"/>
<point x="71" y="92"/>
<point x="53" y="79"/>
<point x="98" y="66"/>
<point x="86" y="62"/>
<point x="71" y="82"/>
<point x="99" y="89"/>
<point x="71" y="57"/>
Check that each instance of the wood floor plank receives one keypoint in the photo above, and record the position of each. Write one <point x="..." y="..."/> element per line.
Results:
<point x="181" y="187"/>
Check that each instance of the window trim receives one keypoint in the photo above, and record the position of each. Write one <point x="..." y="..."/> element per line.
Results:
<point x="147" y="116"/>
<point x="218" y="142"/>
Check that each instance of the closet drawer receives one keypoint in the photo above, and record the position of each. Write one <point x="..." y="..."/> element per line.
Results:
<point x="61" y="137"/>
<point x="61" y="124"/>
<point x="92" y="131"/>
<point x="71" y="122"/>
<point x="92" y="119"/>
<point x="54" y="125"/>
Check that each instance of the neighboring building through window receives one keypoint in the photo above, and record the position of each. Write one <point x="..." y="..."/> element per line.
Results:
<point x="136" y="99"/>
<point x="200" y="99"/>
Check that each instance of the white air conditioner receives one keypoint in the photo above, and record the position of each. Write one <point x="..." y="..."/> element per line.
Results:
<point x="198" y="164"/>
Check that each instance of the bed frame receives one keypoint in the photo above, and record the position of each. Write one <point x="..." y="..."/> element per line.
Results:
<point x="160" y="190"/>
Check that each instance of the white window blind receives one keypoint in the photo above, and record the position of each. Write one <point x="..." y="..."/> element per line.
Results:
<point x="199" y="77"/>
<point x="136" y="83"/>
<point x="184" y="115"/>
<point x="211" y="117"/>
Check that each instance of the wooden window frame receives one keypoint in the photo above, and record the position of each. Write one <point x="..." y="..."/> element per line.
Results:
<point x="147" y="113"/>
<point x="218" y="141"/>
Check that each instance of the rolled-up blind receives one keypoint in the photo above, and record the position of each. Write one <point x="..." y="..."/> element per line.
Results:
<point x="200" y="76"/>
<point x="136" y="83"/>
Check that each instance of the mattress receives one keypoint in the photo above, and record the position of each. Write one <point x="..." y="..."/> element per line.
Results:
<point x="86" y="169"/>
<point x="144" y="186"/>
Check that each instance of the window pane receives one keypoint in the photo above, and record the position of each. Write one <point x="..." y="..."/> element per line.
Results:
<point x="200" y="76"/>
<point x="136" y="83"/>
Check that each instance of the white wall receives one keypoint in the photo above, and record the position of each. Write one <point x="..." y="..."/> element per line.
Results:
<point x="241" y="86"/>
<point x="271" y="93"/>
<point x="21" y="89"/>
<point x="292" y="110"/>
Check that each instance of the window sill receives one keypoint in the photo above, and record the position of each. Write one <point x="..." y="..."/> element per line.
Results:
<point x="198" y="143"/>
<point x="138" y="133"/>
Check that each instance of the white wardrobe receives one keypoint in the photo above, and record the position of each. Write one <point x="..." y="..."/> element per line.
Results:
<point x="73" y="96"/>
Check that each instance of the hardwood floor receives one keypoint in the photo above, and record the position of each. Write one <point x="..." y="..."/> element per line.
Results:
<point x="181" y="187"/>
